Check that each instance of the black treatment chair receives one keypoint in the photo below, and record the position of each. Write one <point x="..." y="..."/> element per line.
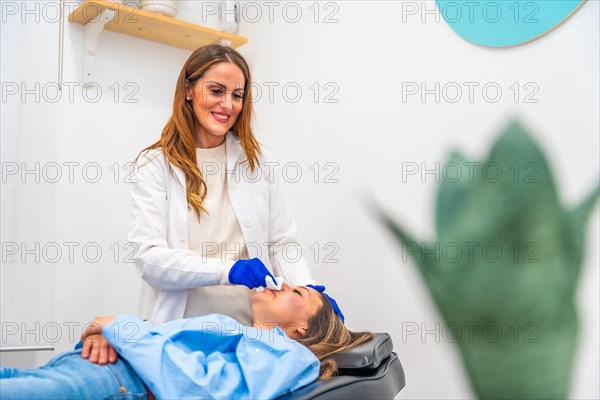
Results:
<point x="369" y="371"/>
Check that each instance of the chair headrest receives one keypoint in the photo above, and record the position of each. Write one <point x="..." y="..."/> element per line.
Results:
<point x="367" y="355"/>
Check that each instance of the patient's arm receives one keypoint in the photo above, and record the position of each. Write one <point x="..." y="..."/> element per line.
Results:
<point x="95" y="347"/>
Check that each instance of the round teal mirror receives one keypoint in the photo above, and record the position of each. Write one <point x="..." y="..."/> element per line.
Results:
<point x="504" y="23"/>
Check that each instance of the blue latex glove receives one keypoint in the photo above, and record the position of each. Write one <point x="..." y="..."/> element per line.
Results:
<point x="251" y="273"/>
<point x="336" y="308"/>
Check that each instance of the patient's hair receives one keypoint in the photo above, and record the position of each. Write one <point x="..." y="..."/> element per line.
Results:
<point x="327" y="335"/>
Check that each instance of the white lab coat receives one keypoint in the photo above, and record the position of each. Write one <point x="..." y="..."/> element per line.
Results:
<point x="159" y="229"/>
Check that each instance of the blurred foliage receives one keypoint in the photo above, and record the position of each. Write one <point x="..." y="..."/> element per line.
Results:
<point x="504" y="268"/>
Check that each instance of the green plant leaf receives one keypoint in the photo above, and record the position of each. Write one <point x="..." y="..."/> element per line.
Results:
<point x="507" y="258"/>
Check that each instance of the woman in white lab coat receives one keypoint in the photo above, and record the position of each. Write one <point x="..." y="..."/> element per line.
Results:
<point x="208" y="216"/>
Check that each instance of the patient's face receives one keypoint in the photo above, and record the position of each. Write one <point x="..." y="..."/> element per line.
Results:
<point x="290" y="308"/>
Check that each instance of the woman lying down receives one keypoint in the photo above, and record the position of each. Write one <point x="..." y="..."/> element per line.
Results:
<point x="295" y="333"/>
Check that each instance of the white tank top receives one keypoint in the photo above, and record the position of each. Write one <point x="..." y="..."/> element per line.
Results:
<point x="217" y="235"/>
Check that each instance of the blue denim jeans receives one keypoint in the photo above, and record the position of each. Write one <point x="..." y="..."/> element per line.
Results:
<point x="68" y="376"/>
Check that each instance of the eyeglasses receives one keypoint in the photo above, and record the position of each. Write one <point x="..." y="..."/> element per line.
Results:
<point x="219" y="92"/>
<point x="217" y="89"/>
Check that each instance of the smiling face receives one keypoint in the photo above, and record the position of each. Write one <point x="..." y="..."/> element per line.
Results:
<point x="217" y="101"/>
<point x="290" y="308"/>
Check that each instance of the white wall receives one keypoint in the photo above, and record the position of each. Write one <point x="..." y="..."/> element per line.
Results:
<point x="367" y="54"/>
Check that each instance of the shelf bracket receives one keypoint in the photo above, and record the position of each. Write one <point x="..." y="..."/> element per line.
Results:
<point x="225" y="42"/>
<point x="91" y="33"/>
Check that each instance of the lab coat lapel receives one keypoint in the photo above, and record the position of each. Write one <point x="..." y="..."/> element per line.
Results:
<point x="234" y="150"/>
<point x="178" y="206"/>
<point x="180" y="175"/>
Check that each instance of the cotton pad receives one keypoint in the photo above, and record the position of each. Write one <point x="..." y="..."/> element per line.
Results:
<point x="274" y="285"/>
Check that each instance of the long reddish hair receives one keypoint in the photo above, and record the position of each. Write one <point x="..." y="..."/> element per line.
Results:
<point x="178" y="141"/>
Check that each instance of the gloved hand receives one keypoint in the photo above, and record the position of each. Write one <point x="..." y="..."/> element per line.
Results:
<point x="336" y="308"/>
<point x="251" y="273"/>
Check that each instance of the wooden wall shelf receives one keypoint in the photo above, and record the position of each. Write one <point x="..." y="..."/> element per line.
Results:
<point x="153" y="26"/>
<point x="97" y="15"/>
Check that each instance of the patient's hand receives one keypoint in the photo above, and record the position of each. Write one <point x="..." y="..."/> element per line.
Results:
<point x="95" y="346"/>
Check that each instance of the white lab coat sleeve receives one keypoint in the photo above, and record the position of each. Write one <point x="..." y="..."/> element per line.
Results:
<point x="160" y="265"/>
<point x="285" y="251"/>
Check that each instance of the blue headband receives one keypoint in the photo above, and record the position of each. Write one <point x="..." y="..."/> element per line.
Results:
<point x="321" y="289"/>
